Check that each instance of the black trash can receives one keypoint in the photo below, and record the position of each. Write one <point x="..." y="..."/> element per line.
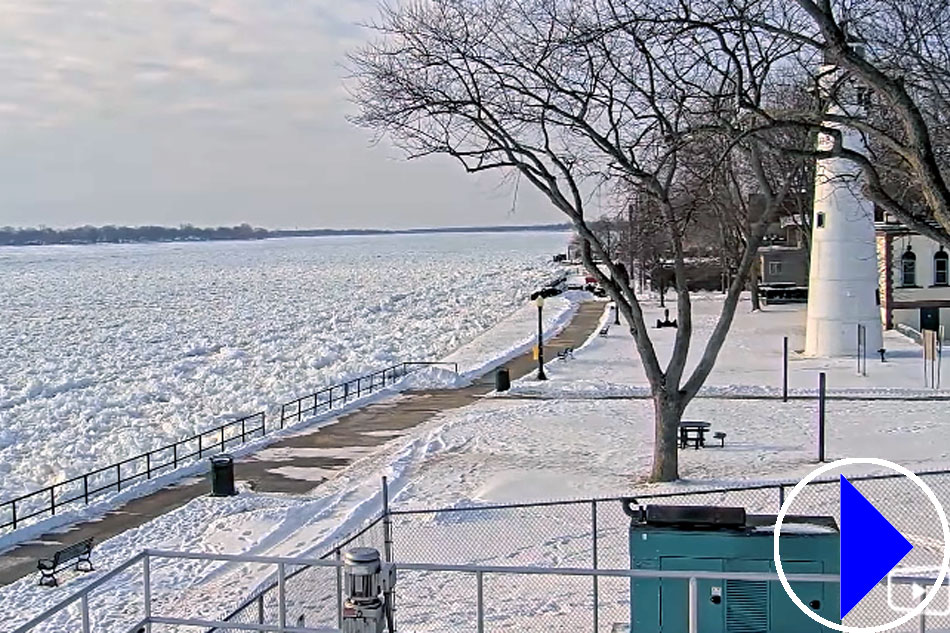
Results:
<point x="502" y="379"/>
<point x="222" y="476"/>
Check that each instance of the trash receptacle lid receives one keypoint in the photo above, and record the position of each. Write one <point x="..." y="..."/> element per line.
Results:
<point x="362" y="555"/>
<point x="223" y="458"/>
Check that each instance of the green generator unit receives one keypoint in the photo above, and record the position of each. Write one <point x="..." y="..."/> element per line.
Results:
<point x="718" y="539"/>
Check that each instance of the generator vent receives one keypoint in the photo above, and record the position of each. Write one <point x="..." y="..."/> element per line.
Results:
<point x="747" y="606"/>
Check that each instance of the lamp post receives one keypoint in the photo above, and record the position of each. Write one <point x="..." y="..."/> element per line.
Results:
<point x="540" y="303"/>
<point x="616" y="313"/>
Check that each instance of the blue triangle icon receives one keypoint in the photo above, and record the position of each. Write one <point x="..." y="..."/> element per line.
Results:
<point x="870" y="546"/>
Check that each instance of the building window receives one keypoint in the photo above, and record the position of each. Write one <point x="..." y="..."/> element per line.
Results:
<point x="821" y="220"/>
<point x="909" y="268"/>
<point x="775" y="268"/>
<point x="941" y="268"/>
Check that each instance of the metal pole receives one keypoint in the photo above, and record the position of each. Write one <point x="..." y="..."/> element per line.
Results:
<point x="593" y="525"/>
<point x="822" y="381"/>
<point x="479" y="603"/>
<point x="85" y="613"/>
<point x="147" y="589"/>
<point x="388" y="541"/>
<point x="541" y="375"/>
<point x="785" y="369"/>
<point x="339" y="592"/>
<point x="616" y="313"/>
<point x="693" y="606"/>
<point x="260" y="609"/>
<point x="281" y="598"/>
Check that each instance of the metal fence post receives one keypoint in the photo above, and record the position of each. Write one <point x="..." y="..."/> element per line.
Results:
<point x="281" y="598"/>
<point x="85" y="613"/>
<point x="260" y="609"/>
<point x="479" y="603"/>
<point x="781" y="497"/>
<point x="387" y="524"/>
<point x="593" y="525"/>
<point x="693" y="606"/>
<point x="52" y="501"/>
<point x="785" y="369"/>
<point x="147" y="589"/>
<point x="822" y="383"/>
<point x="339" y="591"/>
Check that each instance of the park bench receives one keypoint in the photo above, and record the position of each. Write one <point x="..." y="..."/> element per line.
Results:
<point x="719" y="435"/>
<point x="604" y="330"/>
<point x="566" y="353"/>
<point x="80" y="552"/>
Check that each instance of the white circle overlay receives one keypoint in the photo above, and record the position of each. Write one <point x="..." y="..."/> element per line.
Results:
<point x="850" y="461"/>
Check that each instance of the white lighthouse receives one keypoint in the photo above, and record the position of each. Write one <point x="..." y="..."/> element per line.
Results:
<point x="843" y="280"/>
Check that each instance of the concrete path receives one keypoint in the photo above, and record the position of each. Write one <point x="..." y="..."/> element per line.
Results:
<point x="383" y="420"/>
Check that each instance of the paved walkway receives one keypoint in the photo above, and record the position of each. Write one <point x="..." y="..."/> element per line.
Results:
<point x="383" y="419"/>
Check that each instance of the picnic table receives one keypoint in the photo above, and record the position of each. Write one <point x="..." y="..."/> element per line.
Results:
<point x="693" y="433"/>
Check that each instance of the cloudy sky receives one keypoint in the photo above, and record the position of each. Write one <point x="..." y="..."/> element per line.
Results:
<point x="210" y="112"/>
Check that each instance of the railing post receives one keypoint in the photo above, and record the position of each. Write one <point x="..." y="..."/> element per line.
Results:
<point x="359" y="386"/>
<point x="480" y="603"/>
<point x="260" y="609"/>
<point x="200" y="447"/>
<point x="52" y="501"/>
<point x="148" y="465"/>
<point x="387" y="524"/>
<point x="593" y="525"/>
<point x="693" y="606"/>
<point x="118" y="477"/>
<point x="339" y="591"/>
<point x="822" y="385"/>
<point x="299" y="405"/>
<point x="243" y="430"/>
<point x="147" y="589"/>
<point x="330" y="401"/>
<point x="85" y="488"/>
<point x="346" y="392"/>
<point x="785" y="369"/>
<point x="175" y="455"/>
<point x="781" y="497"/>
<point x="13" y="513"/>
<point x="84" y="607"/>
<point x="281" y="598"/>
<point x="222" y="438"/>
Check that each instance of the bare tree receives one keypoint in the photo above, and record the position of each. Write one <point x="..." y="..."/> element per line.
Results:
<point x="571" y="94"/>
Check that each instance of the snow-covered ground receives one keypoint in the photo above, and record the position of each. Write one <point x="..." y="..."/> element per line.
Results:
<point x="112" y="350"/>
<point x="518" y="450"/>
<point x="750" y="363"/>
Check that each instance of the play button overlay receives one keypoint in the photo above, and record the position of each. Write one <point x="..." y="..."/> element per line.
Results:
<point x="871" y="548"/>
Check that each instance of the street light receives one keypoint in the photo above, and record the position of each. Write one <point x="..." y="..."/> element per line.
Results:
<point x="540" y="303"/>
<point x="616" y="313"/>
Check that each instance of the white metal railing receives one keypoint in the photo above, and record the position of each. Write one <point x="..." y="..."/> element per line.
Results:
<point x="282" y="626"/>
<point x="146" y="557"/>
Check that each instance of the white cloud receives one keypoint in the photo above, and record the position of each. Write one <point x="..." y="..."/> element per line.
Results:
<point x="203" y="111"/>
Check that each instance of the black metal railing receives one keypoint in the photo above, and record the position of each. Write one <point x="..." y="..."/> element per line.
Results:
<point x="342" y="393"/>
<point x="86" y="488"/>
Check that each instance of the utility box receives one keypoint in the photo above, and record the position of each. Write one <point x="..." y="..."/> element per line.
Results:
<point x="715" y="539"/>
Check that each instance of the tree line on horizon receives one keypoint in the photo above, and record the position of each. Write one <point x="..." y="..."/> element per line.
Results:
<point x="110" y="234"/>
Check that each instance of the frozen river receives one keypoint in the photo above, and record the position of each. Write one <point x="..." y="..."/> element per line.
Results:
<point x="111" y="350"/>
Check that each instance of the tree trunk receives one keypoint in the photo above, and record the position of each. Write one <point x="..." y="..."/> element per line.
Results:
<point x="668" y="411"/>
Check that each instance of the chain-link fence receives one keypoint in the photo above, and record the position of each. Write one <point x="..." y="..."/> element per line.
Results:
<point x="584" y="534"/>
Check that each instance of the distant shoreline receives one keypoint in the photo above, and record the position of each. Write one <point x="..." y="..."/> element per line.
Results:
<point x="151" y="234"/>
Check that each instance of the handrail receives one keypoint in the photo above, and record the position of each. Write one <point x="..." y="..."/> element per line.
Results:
<point x="86" y="487"/>
<point x="323" y="400"/>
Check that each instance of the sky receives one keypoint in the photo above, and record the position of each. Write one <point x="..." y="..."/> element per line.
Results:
<point x="210" y="112"/>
